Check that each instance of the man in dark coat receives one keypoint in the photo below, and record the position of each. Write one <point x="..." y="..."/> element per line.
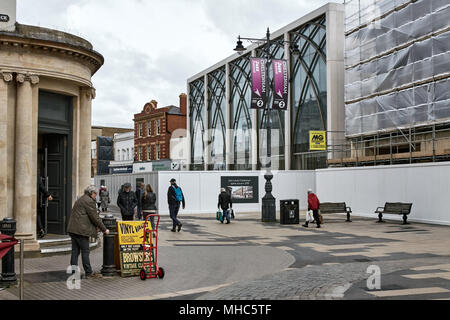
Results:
<point x="174" y="204"/>
<point x="225" y="204"/>
<point x="83" y="224"/>
<point x="127" y="202"/>
<point x="139" y="195"/>
<point x="43" y="196"/>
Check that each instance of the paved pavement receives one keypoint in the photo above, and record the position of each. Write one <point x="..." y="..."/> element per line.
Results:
<point x="251" y="260"/>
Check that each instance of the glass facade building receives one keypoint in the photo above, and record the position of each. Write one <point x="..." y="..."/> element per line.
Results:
<point x="226" y="134"/>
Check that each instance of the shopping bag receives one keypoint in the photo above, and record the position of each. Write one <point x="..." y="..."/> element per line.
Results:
<point x="321" y="218"/>
<point x="309" y="216"/>
<point x="219" y="216"/>
<point x="233" y="215"/>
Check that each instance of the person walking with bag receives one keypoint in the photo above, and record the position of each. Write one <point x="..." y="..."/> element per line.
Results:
<point x="127" y="202"/>
<point x="104" y="199"/>
<point x="225" y="204"/>
<point x="314" y="206"/>
<point x="84" y="223"/>
<point x="175" y="198"/>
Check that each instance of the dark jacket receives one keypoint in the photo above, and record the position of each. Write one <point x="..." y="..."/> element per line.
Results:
<point x="225" y="201"/>
<point x="84" y="219"/>
<point x="127" y="201"/>
<point x="139" y="197"/>
<point x="149" y="203"/>
<point x="172" y="196"/>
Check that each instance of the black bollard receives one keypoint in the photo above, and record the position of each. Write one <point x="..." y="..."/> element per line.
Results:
<point x="109" y="267"/>
<point x="9" y="277"/>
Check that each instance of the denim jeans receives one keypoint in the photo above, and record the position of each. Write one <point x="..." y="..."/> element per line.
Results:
<point x="80" y="244"/>
<point x="174" y="213"/>
<point x="226" y="215"/>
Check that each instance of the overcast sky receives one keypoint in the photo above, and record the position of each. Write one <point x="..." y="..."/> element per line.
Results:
<point x="151" y="47"/>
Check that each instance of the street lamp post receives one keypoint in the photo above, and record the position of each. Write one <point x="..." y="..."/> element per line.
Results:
<point x="268" y="201"/>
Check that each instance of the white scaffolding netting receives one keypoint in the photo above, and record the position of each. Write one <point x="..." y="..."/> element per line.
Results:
<point x="397" y="62"/>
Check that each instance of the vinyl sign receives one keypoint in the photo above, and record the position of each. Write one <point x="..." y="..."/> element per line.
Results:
<point x="130" y="242"/>
<point x="259" y="83"/>
<point x="281" y="84"/>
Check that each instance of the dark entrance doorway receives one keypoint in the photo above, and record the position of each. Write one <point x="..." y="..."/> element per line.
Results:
<point x="55" y="159"/>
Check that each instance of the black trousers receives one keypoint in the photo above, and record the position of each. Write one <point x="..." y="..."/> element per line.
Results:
<point x="80" y="244"/>
<point x="127" y="218"/>
<point x="316" y="217"/>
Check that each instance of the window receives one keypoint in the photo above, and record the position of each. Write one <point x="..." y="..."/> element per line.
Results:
<point x="149" y="128"/>
<point x="123" y="155"/>
<point x="128" y="154"/>
<point x="158" y="127"/>
<point x="118" y="155"/>
<point x="140" y="130"/>
<point x="158" y="152"/>
<point x="140" y="154"/>
<point x="149" y="153"/>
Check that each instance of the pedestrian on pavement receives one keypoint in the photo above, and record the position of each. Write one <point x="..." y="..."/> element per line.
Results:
<point x="140" y="189"/>
<point x="44" y="195"/>
<point x="314" y="206"/>
<point x="175" y="197"/>
<point x="149" y="204"/>
<point x="84" y="223"/>
<point x="225" y="204"/>
<point x="104" y="199"/>
<point x="127" y="202"/>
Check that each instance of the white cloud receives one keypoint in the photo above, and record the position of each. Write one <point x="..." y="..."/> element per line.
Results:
<point x="151" y="47"/>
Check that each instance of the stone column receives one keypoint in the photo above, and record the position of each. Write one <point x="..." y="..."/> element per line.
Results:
<point x="84" y="173"/>
<point x="6" y="79"/>
<point x="24" y="176"/>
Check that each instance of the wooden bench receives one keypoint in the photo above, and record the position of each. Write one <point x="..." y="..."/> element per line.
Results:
<point x="335" y="207"/>
<point x="395" y="208"/>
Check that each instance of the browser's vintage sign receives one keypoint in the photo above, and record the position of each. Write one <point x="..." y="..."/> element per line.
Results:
<point x="131" y="240"/>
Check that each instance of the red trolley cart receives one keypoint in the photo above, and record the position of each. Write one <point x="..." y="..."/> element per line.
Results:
<point x="150" y="269"/>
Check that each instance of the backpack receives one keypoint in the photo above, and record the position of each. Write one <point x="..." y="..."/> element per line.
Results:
<point x="178" y="194"/>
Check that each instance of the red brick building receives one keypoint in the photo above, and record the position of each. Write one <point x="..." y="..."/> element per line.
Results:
<point x="153" y="129"/>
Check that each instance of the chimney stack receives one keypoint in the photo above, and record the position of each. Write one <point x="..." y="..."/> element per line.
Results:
<point x="183" y="103"/>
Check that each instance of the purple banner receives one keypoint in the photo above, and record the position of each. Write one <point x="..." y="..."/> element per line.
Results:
<point x="281" y="84"/>
<point x="259" y="83"/>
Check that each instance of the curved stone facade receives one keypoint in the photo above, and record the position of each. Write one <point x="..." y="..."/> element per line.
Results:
<point x="32" y="60"/>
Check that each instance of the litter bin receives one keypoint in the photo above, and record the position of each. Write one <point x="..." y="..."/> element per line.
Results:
<point x="290" y="211"/>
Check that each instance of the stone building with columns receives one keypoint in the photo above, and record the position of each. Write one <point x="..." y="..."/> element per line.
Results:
<point x="45" y="124"/>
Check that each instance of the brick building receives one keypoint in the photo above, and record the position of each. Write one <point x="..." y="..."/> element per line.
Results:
<point x="154" y="128"/>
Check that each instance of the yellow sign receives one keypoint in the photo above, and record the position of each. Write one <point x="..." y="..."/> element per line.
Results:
<point x="318" y="140"/>
<point x="131" y="240"/>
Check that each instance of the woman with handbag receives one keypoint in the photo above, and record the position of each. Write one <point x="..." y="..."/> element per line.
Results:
<point x="314" y="206"/>
<point x="149" y="204"/>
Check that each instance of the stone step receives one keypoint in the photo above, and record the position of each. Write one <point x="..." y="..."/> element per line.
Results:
<point x="63" y="248"/>
<point x="49" y="243"/>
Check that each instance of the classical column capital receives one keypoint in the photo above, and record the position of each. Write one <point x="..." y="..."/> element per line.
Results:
<point x="89" y="92"/>
<point x="7" y="76"/>
<point x="32" y="78"/>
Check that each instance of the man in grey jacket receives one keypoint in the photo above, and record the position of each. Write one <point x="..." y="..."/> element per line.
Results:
<point x="84" y="223"/>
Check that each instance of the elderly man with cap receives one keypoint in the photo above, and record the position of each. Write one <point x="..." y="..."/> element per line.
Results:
<point x="127" y="202"/>
<point x="84" y="223"/>
<point x="314" y="206"/>
<point x="175" y="197"/>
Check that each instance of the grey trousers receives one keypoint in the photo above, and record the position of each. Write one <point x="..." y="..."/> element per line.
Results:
<point x="80" y="244"/>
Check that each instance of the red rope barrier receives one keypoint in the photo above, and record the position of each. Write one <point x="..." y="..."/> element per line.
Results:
<point x="6" y="246"/>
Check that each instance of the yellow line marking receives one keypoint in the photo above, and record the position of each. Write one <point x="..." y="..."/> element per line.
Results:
<point x="180" y="293"/>
<point x="435" y="267"/>
<point x="407" y="292"/>
<point x="442" y="275"/>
